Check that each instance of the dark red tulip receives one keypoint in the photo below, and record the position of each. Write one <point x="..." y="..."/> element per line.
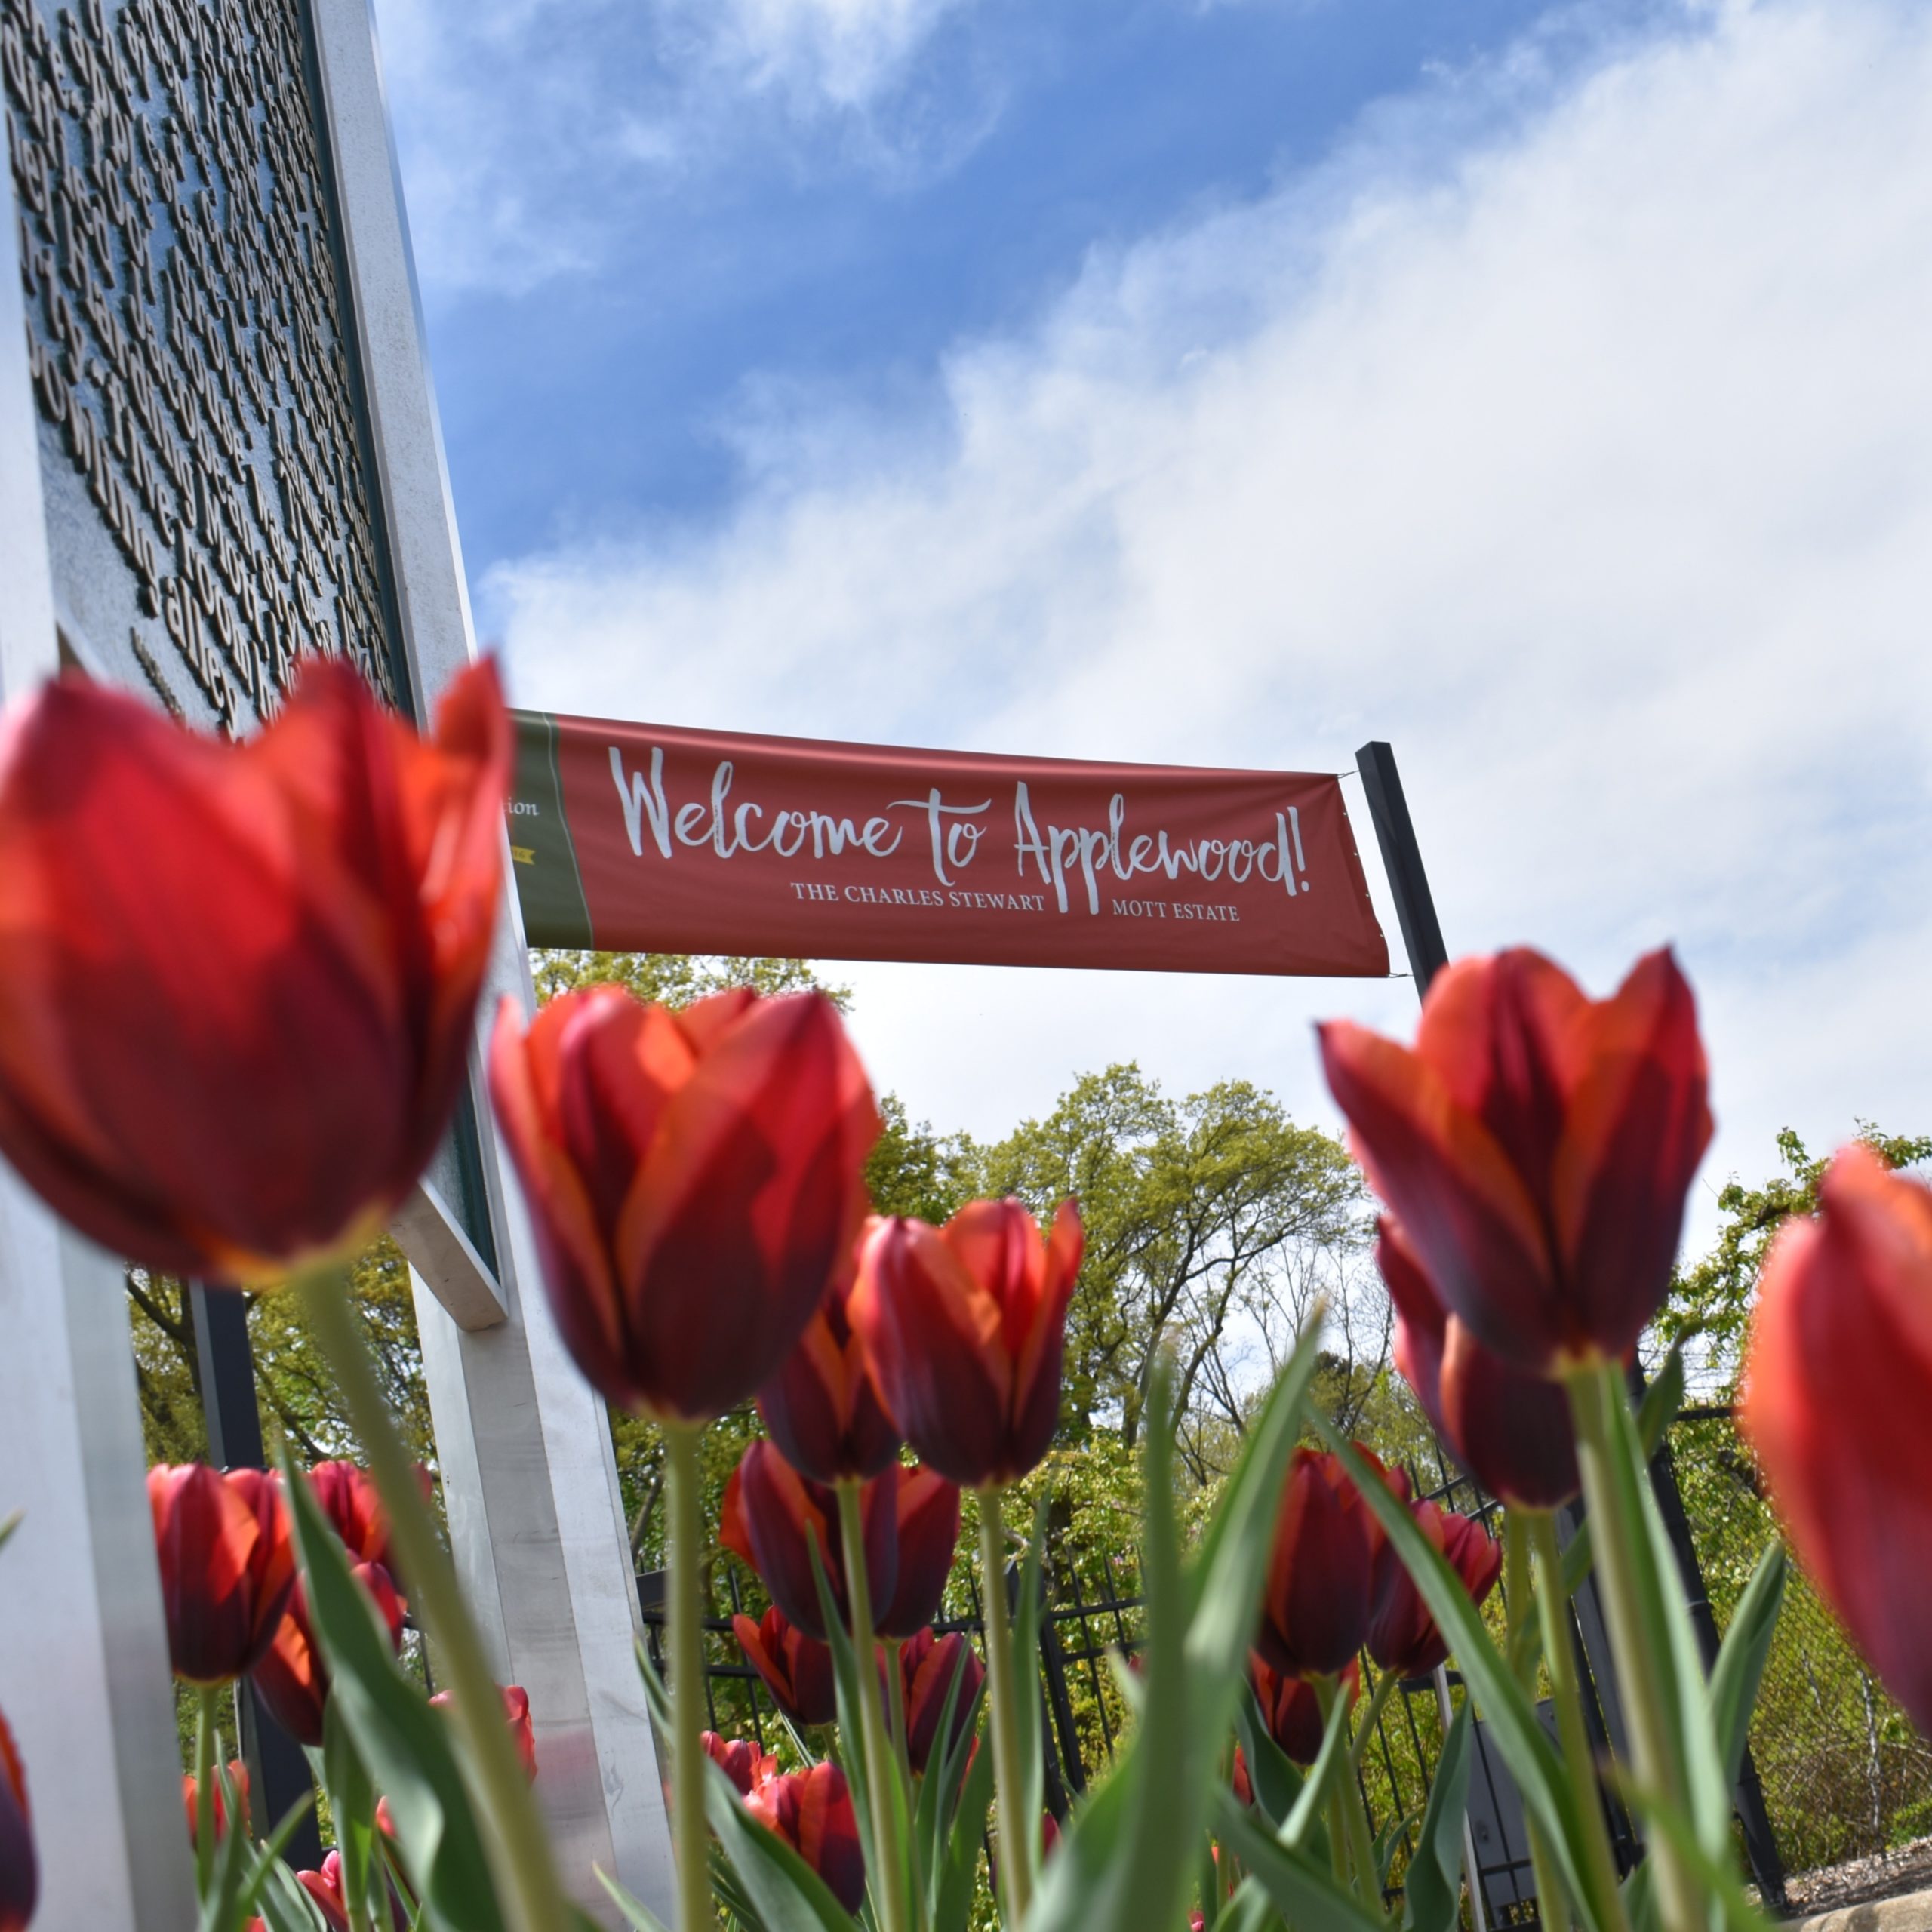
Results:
<point x="227" y="1567"/>
<point x="1537" y="1146"/>
<point x="772" y="1516"/>
<point x="696" y="1180"/>
<point x="1510" y="1429"/>
<point x="324" y="1888"/>
<point x="292" y="1676"/>
<point x="1837" y="1408"/>
<point x="965" y="1327"/>
<point x="812" y="1812"/>
<point x="740" y="1759"/>
<point x="1291" y="1709"/>
<point x="1402" y="1635"/>
<point x="19" y="1870"/>
<point x="927" y="1513"/>
<point x="276" y="946"/>
<point x="796" y="1669"/>
<point x="928" y="1665"/>
<point x="1321" y="1575"/>
<point x="821" y="1407"/>
<point x="348" y="1498"/>
<point x="516" y="1715"/>
<point x="191" y="1799"/>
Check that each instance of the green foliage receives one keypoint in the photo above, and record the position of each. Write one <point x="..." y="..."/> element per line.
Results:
<point x="675" y="979"/>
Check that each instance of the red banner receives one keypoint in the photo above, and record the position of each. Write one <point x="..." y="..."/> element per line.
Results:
<point x="640" y="838"/>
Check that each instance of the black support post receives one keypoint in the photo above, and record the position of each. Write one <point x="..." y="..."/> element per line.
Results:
<point x="1401" y="859"/>
<point x="277" y="1767"/>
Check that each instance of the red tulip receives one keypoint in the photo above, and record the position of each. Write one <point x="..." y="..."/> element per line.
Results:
<point x="928" y="1665"/>
<point x="348" y="1499"/>
<point x="1837" y="1408"/>
<point x="191" y="1799"/>
<point x="325" y="1887"/>
<point x="1511" y="1430"/>
<point x="695" y="1178"/>
<point x="1321" y="1575"/>
<point x="1290" y="1708"/>
<point x="516" y="1715"/>
<point x="740" y="1759"/>
<point x="20" y="1870"/>
<point x="772" y="1516"/>
<point x="927" y="1508"/>
<point x="821" y="1407"/>
<point x="1238" y="1779"/>
<point x="796" y="1669"/>
<point x="1402" y="1635"/>
<point x="964" y="1326"/>
<point x="1537" y="1146"/>
<point x="292" y="1676"/>
<point x="275" y="947"/>
<point x="812" y="1812"/>
<point x="227" y="1566"/>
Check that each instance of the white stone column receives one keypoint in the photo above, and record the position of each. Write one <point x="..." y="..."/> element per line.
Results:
<point x="84" y="1679"/>
<point x="535" y="1518"/>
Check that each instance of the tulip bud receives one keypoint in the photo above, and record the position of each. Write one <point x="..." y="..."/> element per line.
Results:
<point x="927" y="1512"/>
<point x="1402" y="1635"/>
<point x="1837" y="1404"/>
<point x="516" y="1715"/>
<point x="1320" y="1589"/>
<point x="277" y="945"/>
<point x="821" y="1407"/>
<point x="740" y="1759"/>
<point x="772" y="1516"/>
<point x="227" y="1567"/>
<point x="696" y="1180"/>
<point x="1537" y="1146"/>
<point x="324" y="1888"/>
<point x="20" y="1870"/>
<point x="812" y="1812"/>
<point x="1510" y="1429"/>
<point x="191" y="1798"/>
<point x="965" y="1328"/>
<point x="1292" y="1710"/>
<point x="797" y="1669"/>
<point x="928" y="1666"/>
<point x="293" y="1677"/>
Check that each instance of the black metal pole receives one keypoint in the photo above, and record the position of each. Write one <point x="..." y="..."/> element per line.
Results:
<point x="1401" y="859"/>
<point x="277" y="1767"/>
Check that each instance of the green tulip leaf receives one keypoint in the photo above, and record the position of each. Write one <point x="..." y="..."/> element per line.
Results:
<point x="1740" y="1663"/>
<point x="1715" y="1875"/>
<point x="787" y="1894"/>
<point x="351" y="1808"/>
<point x="1526" y="1748"/>
<point x="284" y="1905"/>
<point x="1306" y="1894"/>
<point x="1432" y="1890"/>
<point x="952" y="1906"/>
<point x="1250" y="1910"/>
<point x="1662" y="1400"/>
<point x="1027" y="1674"/>
<point x="636" y="1913"/>
<point x="938" y="1792"/>
<point x="407" y="1749"/>
<point x="1272" y="1775"/>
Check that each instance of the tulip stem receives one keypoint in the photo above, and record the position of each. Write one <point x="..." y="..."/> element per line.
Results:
<point x="683" y="1483"/>
<point x="881" y="1766"/>
<point x="1599" y="1876"/>
<point x="1552" y="1903"/>
<point x="1378" y="1698"/>
<point x="1614" y="1480"/>
<point x="895" y="1691"/>
<point x="1016" y="1845"/>
<point x="1354" y="1807"/>
<point x="518" y="1845"/>
<point x="205" y="1757"/>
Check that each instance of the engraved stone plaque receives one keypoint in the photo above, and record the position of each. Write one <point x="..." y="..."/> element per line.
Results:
<point x="211" y="515"/>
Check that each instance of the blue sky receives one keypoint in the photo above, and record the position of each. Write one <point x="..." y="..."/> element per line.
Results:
<point x="1228" y="381"/>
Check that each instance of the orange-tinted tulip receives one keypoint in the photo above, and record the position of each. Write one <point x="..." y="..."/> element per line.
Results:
<point x="1838" y="1406"/>
<point x="292" y="1678"/>
<point x="926" y="1512"/>
<point x="796" y="1669"/>
<point x="274" y="947"/>
<point x="324" y="1888"/>
<point x="1320" y="1573"/>
<point x="928" y="1665"/>
<point x="1510" y="1429"/>
<point x="20" y="1870"/>
<point x="1402" y="1635"/>
<point x="191" y="1799"/>
<point x="772" y="1516"/>
<point x="227" y="1567"/>
<point x="965" y="1327"/>
<point x="1537" y="1146"/>
<point x="516" y="1715"/>
<point x="821" y="1407"/>
<point x="1290" y="1708"/>
<point x="812" y="1812"/>
<point x="696" y="1180"/>
<point x="1243" y="1785"/>
<point x="740" y="1759"/>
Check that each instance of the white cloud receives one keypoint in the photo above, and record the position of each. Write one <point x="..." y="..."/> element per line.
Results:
<point x="1590" y="462"/>
<point x="841" y="53"/>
